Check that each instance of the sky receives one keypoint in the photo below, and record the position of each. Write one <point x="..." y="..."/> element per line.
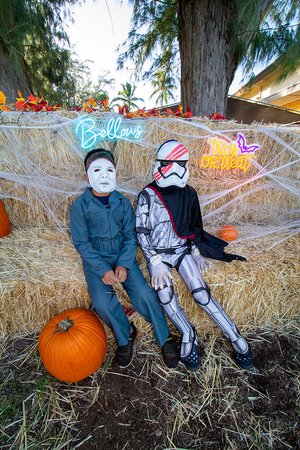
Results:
<point x="97" y="31"/>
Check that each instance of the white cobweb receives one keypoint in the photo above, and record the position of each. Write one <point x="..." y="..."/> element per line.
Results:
<point x="41" y="172"/>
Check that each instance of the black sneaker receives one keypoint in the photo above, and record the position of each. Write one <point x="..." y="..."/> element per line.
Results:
<point x="244" y="360"/>
<point x="124" y="353"/>
<point x="170" y="354"/>
<point x="192" y="361"/>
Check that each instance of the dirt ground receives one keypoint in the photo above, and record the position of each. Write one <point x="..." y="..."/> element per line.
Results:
<point x="150" y="407"/>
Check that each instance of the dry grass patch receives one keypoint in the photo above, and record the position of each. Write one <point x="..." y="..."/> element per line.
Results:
<point x="150" y="407"/>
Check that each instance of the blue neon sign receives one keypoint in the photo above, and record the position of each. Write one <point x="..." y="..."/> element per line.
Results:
<point x="91" y="131"/>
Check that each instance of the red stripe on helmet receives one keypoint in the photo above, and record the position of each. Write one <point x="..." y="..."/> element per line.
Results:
<point x="173" y="154"/>
<point x="178" y="154"/>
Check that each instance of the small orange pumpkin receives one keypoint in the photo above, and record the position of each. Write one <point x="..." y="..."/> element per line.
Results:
<point x="4" y="221"/>
<point x="228" y="233"/>
<point x="73" y="345"/>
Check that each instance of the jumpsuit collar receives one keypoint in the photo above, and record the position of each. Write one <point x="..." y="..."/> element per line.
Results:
<point x="114" y="197"/>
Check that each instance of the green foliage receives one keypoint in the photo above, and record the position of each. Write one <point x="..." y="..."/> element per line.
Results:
<point x="278" y="38"/>
<point x="33" y="38"/>
<point x="264" y="31"/>
<point x="78" y="86"/>
<point x="153" y="36"/>
<point x="163" y="84"/>
<point x="99" y="90"/>
<point x="126" y="95"/>
<point x="75" y="86"/>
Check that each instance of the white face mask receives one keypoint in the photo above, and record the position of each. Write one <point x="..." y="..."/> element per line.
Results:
<point x="102" y="176"/>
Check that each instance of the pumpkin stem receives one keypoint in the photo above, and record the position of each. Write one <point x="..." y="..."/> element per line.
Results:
<point x="64" y="325"/>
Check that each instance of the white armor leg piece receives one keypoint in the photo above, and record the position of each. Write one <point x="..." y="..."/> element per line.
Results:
<point x="201" y="293"/>
<point x="170" y="304"/>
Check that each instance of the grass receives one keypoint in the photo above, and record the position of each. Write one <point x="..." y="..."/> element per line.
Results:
<point x="150" y="407"/>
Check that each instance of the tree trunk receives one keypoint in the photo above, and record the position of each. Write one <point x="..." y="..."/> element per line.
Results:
<point x="208" y="56"/>
<point x="10" y="81"/>
<point x="207" y="60"/>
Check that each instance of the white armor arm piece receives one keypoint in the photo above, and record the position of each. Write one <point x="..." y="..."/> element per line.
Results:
<point x="160" y="275"/>
<point x="143" y="227"/>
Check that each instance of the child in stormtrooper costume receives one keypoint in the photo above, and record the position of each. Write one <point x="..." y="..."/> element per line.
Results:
<point x="170" y="233"/>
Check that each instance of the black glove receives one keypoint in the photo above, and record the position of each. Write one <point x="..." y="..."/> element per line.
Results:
<point x="212" y="247"/>
<point x="228" y="257"/>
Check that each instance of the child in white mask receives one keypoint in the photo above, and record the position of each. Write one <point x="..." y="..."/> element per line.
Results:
<point x="102" y="225"/>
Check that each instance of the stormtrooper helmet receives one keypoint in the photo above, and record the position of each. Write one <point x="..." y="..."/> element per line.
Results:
<point x="171" y="166"/>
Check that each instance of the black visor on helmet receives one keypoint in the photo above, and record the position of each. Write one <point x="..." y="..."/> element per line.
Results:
<point x="165" y="163"/>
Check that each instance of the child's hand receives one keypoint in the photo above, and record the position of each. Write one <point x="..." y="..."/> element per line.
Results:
<point x="202" y="264"/>
<point x="160" y="273"/>
<point x="109" y="278"/>
<point x="121" y="273"/>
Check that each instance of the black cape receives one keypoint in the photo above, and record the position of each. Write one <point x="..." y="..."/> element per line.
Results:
<point x="183" y="208"/>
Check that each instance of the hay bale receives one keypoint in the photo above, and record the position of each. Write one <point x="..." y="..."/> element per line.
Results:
<point x="42" y="171"/>
<point x="41" y="275"/>
<point x="233" y="196"/>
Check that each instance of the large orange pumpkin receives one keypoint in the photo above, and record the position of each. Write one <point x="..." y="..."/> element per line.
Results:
<point x="4" y="221"/>
<point x="73" y="344"/>
<point x="228" y="233"/>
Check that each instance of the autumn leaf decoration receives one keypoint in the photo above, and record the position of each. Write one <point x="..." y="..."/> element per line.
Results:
<point x="20" y="104"/>
<point x="104" y="103"/>
<point x="37" y="104"/>
<point x="123" y="110"/>
<point x="217" y="116"/>
<point x="168" y="112"/>
<point x="91" y="105"/>
<point x="3" y="105"/>
<point x="33" y="104"/>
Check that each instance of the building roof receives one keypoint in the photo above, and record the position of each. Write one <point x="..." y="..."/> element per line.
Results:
<point x="254" y="80"/>
<point x="248" y="111"/>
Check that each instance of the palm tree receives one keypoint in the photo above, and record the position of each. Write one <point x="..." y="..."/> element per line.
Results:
<point x="163" y="85"/>
<point x="126" y="95"/>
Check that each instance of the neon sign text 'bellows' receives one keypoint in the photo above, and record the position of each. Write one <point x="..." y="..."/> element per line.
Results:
<point x="91" y="131"/>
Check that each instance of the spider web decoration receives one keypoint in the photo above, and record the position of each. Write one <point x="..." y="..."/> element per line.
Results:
<point x="41" y="171"/>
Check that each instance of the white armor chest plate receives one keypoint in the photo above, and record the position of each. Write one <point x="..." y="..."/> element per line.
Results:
<point x="162" y="234"/>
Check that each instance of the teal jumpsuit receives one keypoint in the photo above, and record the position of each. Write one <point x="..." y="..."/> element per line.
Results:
<point x="105" y="237"/>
